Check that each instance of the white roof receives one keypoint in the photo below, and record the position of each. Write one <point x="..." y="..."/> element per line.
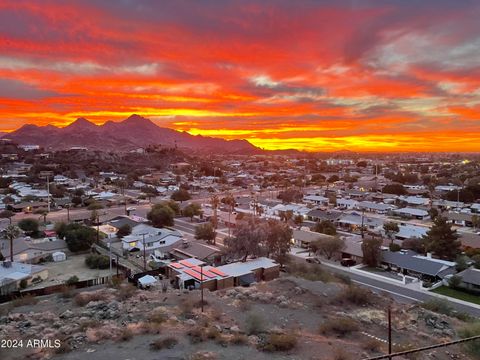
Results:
<point x="412" y="211"/>
<point x="243" y="268"/>
<point x="147" y="280"/>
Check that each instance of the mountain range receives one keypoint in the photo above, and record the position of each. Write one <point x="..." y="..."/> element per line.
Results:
<point x="133" y="133"/>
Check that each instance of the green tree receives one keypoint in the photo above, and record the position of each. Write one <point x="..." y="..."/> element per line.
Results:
<point x="192" y="210"/>
<point x="433" y="212"/>
<point x="414" y="244"/>
<point x="286" y="216"/>
<point x="94" y="205"/>
<point x="78" y="237"/>
<point x="442" y="240"/>
<point x="206" y="232"/>
<point x="11" y="233"/>
<point x="172" y="204"/>
<point x="397" y="189"/>
<point x="330" y="247"/>
<point x="181" y="195"/>
<point x="325" y="227"/>
<point x="161" y="215"/>
<point x="247" y="240"/>
<point x="371" y="251"/>
<point x="298" y="220"/>
<point x="391" y="228"/>
<point x="29" y="225"/>
<point x="124" y="230"/>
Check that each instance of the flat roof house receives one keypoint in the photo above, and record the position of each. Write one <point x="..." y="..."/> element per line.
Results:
<point x="12" y="273"/>
<point x="412" y="213"/>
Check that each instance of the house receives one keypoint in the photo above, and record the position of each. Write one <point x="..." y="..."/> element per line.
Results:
<point x="197" y="250"/>
<point x="408" y="262"/>
<point x="191" y="272"/>
<point x="374" y="207"/>
<point x="119" y="221"/>
<point x="475" y="208"/>
<point x="12" y="273"/>
<point x="470" y="279"/>
<point x="353" y="248"/>
<point x="320" y="215"/>
<point x="32" y="251"/>
<point x="412" y="213"/>
<point x="150" y="239"/>
<point x="414" y="200"/>
<point x="460" y="219"/>
<point x="353" y="222"/>
<point x="346" y="204"/>
<point x="408" y="231"/>
<point x="303" y="238"/>
<point x="316" y="199"/>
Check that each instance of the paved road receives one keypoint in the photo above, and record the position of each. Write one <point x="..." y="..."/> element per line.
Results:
<point x="398" y="292"/>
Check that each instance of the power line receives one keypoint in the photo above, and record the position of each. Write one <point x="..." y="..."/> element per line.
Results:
<point x="406" y="352"/>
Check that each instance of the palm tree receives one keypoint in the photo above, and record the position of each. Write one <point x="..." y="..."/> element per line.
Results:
<point x="229" y="200"/>
<point x="214" y="201"/>
<point x="11" y="233"/>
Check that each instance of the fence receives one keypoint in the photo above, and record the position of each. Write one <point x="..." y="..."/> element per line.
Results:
<point x="59" y="288"/>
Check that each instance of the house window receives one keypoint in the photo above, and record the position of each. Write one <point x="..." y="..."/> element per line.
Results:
<point x="162" y="242"/>
<point x="133" y="244"/>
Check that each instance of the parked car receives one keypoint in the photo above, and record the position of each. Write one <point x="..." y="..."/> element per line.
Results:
<point x="348" y="262"/>
<point x="313" y="260"/>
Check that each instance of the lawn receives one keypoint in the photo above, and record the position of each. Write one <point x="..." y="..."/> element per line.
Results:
<point x="457" y="294"/>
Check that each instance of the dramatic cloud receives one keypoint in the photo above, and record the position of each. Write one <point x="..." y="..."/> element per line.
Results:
<point x="315" y="75"/>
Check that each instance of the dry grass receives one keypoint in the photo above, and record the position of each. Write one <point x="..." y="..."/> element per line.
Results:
<point x="239" y="339"/>
<point x="372" y="345"/>
<point x="338" y="327"/>
<point x="340" y="354"/>
<point x="280" y="342"/>
<point x="254" y="324"/>
<point x="125" y="291"/>
<point x="25" y="300"/>
<point x="84" y="325"/>
<point x="84" y="298"/>
<point x="168" y="342"/>
<point x="125" y="334"/>
<point x="354" y="295"/>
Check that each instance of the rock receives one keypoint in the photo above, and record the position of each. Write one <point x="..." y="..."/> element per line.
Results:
<point x="235" y="329"/>
<point x="253" y="340"/>
<point x="66" y="314"/>
<point x="281" y="299"/>
<point x="190" y="322"/>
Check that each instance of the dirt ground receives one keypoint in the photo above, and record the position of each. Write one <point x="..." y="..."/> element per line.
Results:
<point x="59" y="272"/>
<point x="121" y="323"/>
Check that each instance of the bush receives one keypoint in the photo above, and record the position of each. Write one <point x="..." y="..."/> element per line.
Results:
<point x="158" y="316"/>
<point x="126" y="334"/>
<point x="355" y="295"/>
<point x="23" y="283"/>
<point x="394" y="247"/>
<point x="239" y="339"/>
<point x="66" y="292"/>
<point x="254" y="324"/>
<point x="372" y="345"/>
<point x="280" y="342"/>
<point x="72" y="280"/>
<point x="197" y="334"/>
<point x="338" y="326"/>
<point x="164" y="343"/>
<point x="24" y="301"/>
<point x="340" y="354"/>
<point x="186" y="307"/>
<point x="472" y="347"/>
<point x="84" y="298"/>
<point x="126" y="291"/>
<point x="96" y="261"/>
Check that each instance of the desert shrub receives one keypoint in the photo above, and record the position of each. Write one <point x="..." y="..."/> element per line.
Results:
<point x="158" y="316"/>
<point x="239" y="339"/>
<point x="338" y="326"/>
<point x="84" y="298"/>
<point x="472" y="347"/>
<point x="25" y="300"/>
<point x="343" y="278"/>
<point x="254" y="324"/>
<point x="245" y="306"/>
<point x="126" y="291"/>
<point x="340" y="354"/>
<point x="212" y="333"/>
<point x="164" y="343"/>
<point x="197" y="334"/>
<point x="186" y="307"/>
<point x="125" y="334"/>
<point x="280" y="342"/>
<point x="354" y="295"/>
<point x="66" y="291"/>
<point x="444" y="307"/>
<point x="371" y="345"/>
<point x="72" y="280"/>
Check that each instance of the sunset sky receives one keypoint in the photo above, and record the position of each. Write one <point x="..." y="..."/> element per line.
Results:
<point x="313" y="75"/>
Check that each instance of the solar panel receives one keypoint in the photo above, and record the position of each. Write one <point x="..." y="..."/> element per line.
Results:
<point x="194" y="274"/>
<point x="204" y="271"/>
<point x="176" y="265"/>
<point x="218" y="272"/>
<point x="186" y="263"/>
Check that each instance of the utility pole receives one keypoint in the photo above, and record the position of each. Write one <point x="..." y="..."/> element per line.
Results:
<point x="201" y="283"/>
<point x="389" y="331"/>
<point x="144" y="253"/>
<point x="47" y="175"/>
<point x="362" y="229"/>
<point x="110" y="257"/>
